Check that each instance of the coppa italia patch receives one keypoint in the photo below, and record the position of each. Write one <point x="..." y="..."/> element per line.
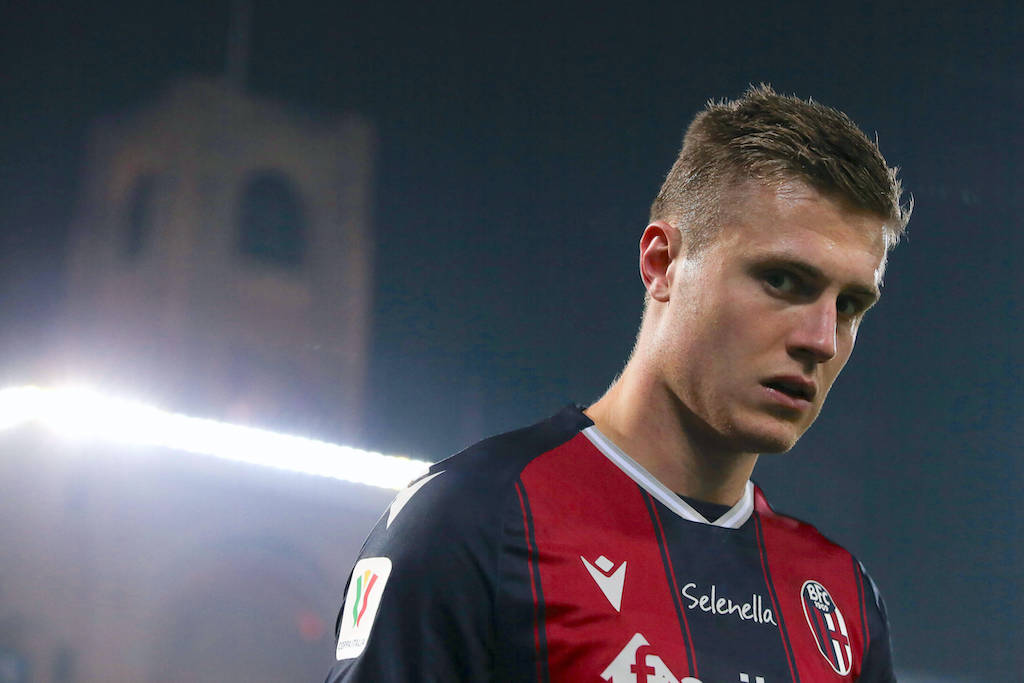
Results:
<point x="364" y="593"/>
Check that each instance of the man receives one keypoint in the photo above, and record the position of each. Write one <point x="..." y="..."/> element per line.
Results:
<point x="625" y="542"/>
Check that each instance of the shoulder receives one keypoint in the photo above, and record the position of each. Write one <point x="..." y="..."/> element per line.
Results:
<point x="503" y="457"/>
<point x="435" y="555"/>
<point x="796" y="534"/>
<point x="792" y="531"/>
<point x="804" y="562"/>
<point x="466" y="493"/>
<point x="813" y="574"/>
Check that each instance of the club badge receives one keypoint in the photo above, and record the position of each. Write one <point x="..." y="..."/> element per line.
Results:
<point x="828" y="626"/>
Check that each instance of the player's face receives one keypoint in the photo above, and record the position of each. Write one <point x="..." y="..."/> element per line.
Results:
<point x="760" y="323"/>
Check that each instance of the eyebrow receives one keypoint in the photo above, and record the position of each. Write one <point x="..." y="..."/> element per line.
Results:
<point x="871" y="293"/>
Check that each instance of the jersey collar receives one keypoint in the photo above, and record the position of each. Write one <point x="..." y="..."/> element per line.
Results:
<point x="737" y="515"/>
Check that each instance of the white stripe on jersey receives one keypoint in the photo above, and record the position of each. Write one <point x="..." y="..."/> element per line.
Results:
<point x="733" y="519"/>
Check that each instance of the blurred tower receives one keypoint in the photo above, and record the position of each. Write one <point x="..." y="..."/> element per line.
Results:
<point x="220" y="259"/>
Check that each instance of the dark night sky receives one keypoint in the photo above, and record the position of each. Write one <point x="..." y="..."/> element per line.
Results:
<point x="519" y="149"/>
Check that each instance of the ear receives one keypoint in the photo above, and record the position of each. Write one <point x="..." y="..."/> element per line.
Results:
<point x="659" y="247"/>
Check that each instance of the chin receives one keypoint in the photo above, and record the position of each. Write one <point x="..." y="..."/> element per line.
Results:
<point x="775" y="433"/>
<point x="776" y="446"/>
<point x="751" y="432"/>
<point x="775" y="438"/>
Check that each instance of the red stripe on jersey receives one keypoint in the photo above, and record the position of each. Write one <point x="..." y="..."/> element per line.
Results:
<point x="530" y="558"/>
<point x="584" y="508"/>
<point x="795" y="553"/>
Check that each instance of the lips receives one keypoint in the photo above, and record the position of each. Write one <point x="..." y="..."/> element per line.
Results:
<point x="794" y="387"/>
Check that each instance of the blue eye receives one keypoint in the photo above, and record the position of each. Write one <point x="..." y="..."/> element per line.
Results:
<point x="847" y="306"/>
<point x="781" y="281"/>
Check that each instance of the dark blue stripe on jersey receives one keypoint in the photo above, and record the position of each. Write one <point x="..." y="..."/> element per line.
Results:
<point x="859" y="578"/>
<point x="684" y="627"/>
<point x="538" y="594"/>
<point x="775" y="598"/>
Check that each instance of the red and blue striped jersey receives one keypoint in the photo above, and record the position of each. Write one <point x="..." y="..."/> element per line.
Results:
<point x="548" y="554"/>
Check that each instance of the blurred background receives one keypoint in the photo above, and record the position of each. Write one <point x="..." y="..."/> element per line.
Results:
<point x="404" y="226"/>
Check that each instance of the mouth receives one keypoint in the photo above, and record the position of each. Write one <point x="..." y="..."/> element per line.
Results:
<point x="796" y="388"/>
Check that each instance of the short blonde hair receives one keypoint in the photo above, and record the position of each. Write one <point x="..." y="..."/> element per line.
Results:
<point x="775" y="138"/>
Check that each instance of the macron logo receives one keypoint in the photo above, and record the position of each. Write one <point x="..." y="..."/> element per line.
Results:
<point x="610" y="582"/>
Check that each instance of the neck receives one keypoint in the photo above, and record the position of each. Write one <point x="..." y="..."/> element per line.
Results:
<point x="648" y="423"/>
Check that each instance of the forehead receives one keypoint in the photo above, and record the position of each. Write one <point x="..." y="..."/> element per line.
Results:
<point x="795" y="222"/>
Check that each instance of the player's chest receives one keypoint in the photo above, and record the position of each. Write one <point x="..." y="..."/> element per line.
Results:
<point x="627" y="597"/>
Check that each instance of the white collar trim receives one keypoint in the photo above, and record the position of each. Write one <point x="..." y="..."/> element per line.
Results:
<point x="737" y="515"/>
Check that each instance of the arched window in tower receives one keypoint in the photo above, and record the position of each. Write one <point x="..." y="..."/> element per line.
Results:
<point x="138" y="218"/>
<point x="271" y="221"/>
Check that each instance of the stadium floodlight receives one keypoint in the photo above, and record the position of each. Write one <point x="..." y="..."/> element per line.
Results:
<point x="86" y="415"/>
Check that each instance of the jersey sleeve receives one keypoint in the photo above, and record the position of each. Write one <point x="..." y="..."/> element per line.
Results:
<point x="419" y="602"/>
<point x="878" y="661"/>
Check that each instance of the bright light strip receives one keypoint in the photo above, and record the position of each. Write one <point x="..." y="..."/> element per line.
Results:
<point x="84" y="414"/>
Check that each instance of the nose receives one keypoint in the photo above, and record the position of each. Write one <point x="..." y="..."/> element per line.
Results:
<point x="813" y="337"/>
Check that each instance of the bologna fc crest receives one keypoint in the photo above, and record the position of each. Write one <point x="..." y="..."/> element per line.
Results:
<point x="828" y="626"/>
